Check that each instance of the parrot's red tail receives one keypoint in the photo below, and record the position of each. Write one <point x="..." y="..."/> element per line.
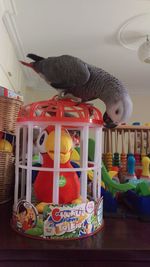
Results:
<point x="30" y="65"/>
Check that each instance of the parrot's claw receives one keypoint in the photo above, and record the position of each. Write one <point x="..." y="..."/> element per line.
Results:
<point x="65" y="96"/>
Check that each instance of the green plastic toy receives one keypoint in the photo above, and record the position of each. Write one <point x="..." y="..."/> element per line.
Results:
<point x="143" y="189"/>
<point x="113" y="186"/>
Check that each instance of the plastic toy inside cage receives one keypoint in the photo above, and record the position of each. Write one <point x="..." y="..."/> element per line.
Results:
<point x="57" y="185"/>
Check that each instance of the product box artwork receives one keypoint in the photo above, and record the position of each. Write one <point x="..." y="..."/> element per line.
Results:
<point x="63" y="221"/>
<point x="9" y="93"/>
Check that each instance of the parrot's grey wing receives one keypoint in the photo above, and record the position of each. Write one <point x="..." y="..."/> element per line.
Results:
<point x="65" y="71"/>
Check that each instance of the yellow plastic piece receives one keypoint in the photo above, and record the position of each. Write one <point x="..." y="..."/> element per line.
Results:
<point x="75" y="156"/>
<point x="112" y="174"/>
<point x="102" y="184"/>
<point x="90" y="174"/>
<point x="145" y="165"/>
<point x="77" y="200"/>
<point x="40" y="206"/>
<point x="5" y="146"/>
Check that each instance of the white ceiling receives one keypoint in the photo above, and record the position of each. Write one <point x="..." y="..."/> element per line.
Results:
<point x="84" y="28"/>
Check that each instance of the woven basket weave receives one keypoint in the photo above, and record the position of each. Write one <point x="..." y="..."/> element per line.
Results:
<point x="9" y="108"/>
<point x="6" y="176"/>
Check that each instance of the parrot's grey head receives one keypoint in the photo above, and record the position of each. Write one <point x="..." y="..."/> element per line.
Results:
<point x="118" y="112"/>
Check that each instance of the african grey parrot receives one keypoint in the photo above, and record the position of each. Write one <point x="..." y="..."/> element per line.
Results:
<point x="72" y="76"/>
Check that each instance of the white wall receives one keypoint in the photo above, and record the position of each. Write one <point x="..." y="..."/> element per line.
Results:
<point x="11" y="75"/>
<point x="141" y="108"/>
<point x="33" y="95"/>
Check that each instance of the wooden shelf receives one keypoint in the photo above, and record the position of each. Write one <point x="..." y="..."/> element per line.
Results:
<point x="122" y="242"/>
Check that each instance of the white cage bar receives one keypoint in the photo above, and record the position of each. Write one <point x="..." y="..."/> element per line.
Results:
<point x="25" y="163"/>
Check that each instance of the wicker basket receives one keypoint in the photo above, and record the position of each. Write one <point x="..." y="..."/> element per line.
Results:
<point x="7" y="176"/>
<point x="9" y="108"/>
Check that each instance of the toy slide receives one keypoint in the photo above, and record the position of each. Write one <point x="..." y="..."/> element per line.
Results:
<point x="113" y="186"/>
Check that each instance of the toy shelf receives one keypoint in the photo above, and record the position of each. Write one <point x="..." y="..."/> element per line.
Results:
<point x="127" y="128"/>
<point x="125" y="140"/>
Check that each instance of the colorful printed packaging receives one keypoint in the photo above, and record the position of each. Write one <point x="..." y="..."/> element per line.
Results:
<point x="9" y="93"/>
<point x="59" y="221"/>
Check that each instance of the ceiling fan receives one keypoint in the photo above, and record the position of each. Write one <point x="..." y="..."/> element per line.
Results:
<point x="134" y="34"/>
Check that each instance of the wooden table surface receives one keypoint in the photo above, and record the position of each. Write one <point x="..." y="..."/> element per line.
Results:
<point x="122" y="242"/>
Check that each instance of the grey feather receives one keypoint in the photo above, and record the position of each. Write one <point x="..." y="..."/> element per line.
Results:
<point x="64" y="71"/>
<point x="87" y="82"/>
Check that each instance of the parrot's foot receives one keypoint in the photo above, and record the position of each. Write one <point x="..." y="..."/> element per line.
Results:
<point x="40" y="206"/>
<point x="65" y="96"/>
<point x="78" y="200"/>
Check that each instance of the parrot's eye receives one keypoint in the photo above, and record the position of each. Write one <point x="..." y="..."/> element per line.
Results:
<point x="117" y="112"/>
<point x="41" y="141"/>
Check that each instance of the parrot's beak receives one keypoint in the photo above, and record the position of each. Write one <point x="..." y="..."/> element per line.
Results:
<point x="108" y="123"/>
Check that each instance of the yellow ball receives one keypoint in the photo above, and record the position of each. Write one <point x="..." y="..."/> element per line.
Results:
<point x="5" y="146"/>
